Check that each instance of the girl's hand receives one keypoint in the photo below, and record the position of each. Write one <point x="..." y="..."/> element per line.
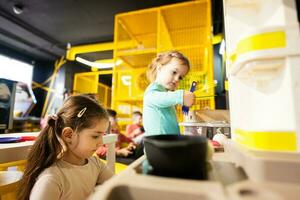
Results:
<point x="124" y="152"/>
<point x="188" y="98"/>
<point x="131" y="147"/>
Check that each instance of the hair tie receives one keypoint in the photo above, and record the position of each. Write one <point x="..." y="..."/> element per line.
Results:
<point x="81" y="112"/>
<point x="51" y="119"/>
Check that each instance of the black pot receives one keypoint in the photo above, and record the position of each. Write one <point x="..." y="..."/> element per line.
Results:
<point x="177" y="155"/>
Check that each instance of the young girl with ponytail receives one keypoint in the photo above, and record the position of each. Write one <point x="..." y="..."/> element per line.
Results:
<point x="60" y="164"/>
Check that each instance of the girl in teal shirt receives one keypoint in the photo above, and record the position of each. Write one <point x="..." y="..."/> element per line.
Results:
<point x="161" y="96"/>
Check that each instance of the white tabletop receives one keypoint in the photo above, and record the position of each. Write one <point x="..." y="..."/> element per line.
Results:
<point x="10" y="152"/>
<point x="206" y="124"/>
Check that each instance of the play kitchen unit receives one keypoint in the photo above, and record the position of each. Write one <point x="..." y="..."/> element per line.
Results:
<point x="261" y="161"/>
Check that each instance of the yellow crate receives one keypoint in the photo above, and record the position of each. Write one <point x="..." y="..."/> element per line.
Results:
<point x="88" y="82"/>
<point x="185" y="24"/>
<point x="103" y="95"/>
<point x="131" y="28"/>
<point x="136" y="58"/>
<point x="205" y="86"/>
<point x="130" y="84"/>
<point x="201" y="103"/>
<point x="85" y="83"/>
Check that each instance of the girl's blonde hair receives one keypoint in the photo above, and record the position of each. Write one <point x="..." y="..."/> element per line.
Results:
<point x="165" y="58"/>
<point x="78" y="112"/>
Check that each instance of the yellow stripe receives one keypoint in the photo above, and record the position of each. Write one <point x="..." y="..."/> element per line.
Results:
<point x="217" y="38"/>
<point x="273" y="141"/>
<point x="226" y="85"/>
<point x="261" y="41"/>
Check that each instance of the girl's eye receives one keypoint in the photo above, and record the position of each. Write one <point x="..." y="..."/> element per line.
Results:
<point x="96" y="136"/>
<point x="174" y="72"/>
<point x="180" y="78"/>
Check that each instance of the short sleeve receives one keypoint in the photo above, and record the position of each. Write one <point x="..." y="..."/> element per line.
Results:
<point x="46" y="187"/>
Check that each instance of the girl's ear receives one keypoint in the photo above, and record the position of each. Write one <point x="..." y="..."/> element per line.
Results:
<point x="158" y="67"/>
<point x="67" y="134"/>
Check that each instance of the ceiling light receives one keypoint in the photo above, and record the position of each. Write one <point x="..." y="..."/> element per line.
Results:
<point x="18" y="9"/>
<point x="99" y="65"/>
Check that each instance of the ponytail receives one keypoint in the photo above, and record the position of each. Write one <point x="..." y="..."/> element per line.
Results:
<point x="78" y="112"/>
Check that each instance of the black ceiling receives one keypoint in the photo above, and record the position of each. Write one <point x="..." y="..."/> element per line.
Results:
<point x="44" y="28"/>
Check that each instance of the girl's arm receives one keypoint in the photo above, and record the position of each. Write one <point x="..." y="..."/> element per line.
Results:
<point x="164" y="99"/>
<point x="105" y="173"/>
<point x="46" y="188"/>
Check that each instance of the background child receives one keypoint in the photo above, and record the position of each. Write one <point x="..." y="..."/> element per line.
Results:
<point x="124" y="145"/>
<point x="60" y="165"/>
<point x="161" y="96"/>
<point x="135" y="130"/>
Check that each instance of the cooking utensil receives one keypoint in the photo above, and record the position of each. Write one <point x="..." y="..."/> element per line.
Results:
<point x="180" y="156"/>
<point x="185" y="109"/>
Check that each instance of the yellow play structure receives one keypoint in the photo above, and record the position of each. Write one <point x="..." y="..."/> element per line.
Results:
<point x="138" y="37"/>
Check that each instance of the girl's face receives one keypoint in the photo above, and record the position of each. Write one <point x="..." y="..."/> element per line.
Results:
<point x="84" y="143"/>
<point x="170" y="74"/>
<point x="137" y="119"/>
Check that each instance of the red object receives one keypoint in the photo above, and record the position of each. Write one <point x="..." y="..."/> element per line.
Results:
<point x="215" y="143"/>
<point x="27" y="138"/>
<point x="101" y="151"/>
<point x="132" y="127"/>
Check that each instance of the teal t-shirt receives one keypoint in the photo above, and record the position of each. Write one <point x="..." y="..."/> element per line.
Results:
<point x="159" y="115"/>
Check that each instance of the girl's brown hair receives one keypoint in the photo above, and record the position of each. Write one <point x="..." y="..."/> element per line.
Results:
<point x="78" y="112"/>
<point x="165" y="58"/>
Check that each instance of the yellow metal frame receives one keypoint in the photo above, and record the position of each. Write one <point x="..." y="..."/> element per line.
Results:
<point x="47" y="105"/>
<point x="95" y="86"/>
<point x="73" y="51"/>
<point x="90" y="48"/>
<point x="136" y="44"/>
